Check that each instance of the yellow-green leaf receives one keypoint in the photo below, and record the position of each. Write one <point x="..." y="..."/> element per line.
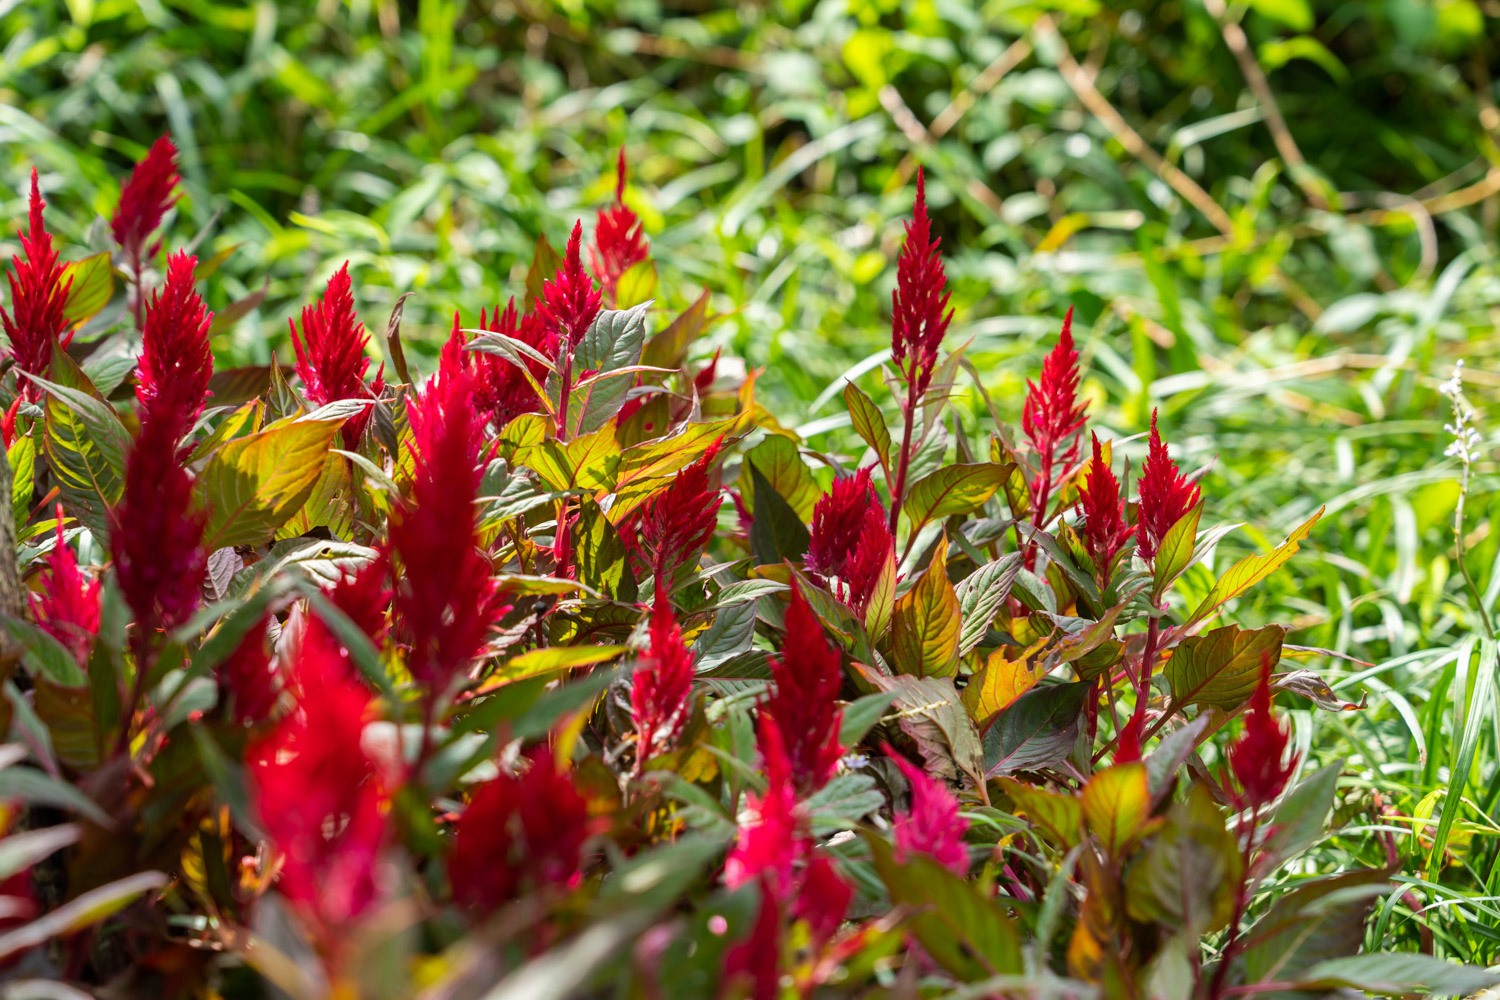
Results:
<point x="1221" y="668"/>
<point x="1175" y="551"/>
<point x="93" y="283"/>
<point x="926" y="623"/>
<point x="869" y="424"/>
<point x="780" y="462"/>
<point x="1057" y="815"/>
<point x="1251" y="570"/>
<point x="550" y="660"/>
<point x="637" y="284"/>
<point x="1116" y="805"/>
<point x="1003" y="680"/>
<point x="588" y="462"/>
<point x="952" y="489"/>
<point x="254" y="484"/>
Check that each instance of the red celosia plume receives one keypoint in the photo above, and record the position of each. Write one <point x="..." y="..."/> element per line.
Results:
<point x="144" y="199"/>
<point x="770" y="840"/>
<point x="676" y="523"/>
<point x="331" y="358"/>
<point x="1052" y="416"/>
<point x="38" y="297"/>
<point x="1164" y="495"/>
<point x="806" y="678"/>
<point x="822" y="899"/>
<point x="156" y="532"/>
<point x="248" y="678"/>
<point x="66" y="603"/>
<point x="365" y="598"/>
<point x="518" y="830"/>
<point x="1103" y="526"/>
<point x="570" y="301"/>
<point x="319" y="800"/>
<point x="661" y="687"/>
<point x="447" y="600"/>
<point x="619" y="243"/>
<point x="753" y="966"/>
<point x="837" y="521"/>
<point x="918" y="320"/>
<point x="875" y="549"/>
<point x="932" y="825"/>
<point x="1258" y="758"/>
<point x="176" y="362"/>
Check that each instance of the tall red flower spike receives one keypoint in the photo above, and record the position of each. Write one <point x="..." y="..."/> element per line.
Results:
<point x="918" y="321"/>
<point x="932" y="826"/>
<point x="619" y="243"/>
<point x="1103" y="526"/>
<point x="876" y="548"/>
<point x="248" y="677"/>
<point x="447" y="600"/>
<point x="144" y="199"/>
<point x="662" y="685"/>
<point x="570" y="301"/>
<point x="156" y="533"/>
<point x="319" y="800"/>
<point x="331" y="358"/>
<point x="1164" y="495"/>
<point x="501" y="390"/>
<point x="755" y="962"/>
<point x="1258" y="758"/>
<point x="770" y="842"/>
<point x="1053" y="416"/>
<point x="365" y="598"/>
<point x="676" y="523"/>
<point x="66" y="605"/>
<point x="517" y="831"/>
<point x="822" y="900"/>
<point x="837" y="522"/>
<point x="806" y="678"/>
<point x="38" y="298"/>
<point x="176" y="362"/>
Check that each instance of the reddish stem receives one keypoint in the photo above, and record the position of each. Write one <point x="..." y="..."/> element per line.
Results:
<point x="562" y="544"/>
<point x="904" y="459"/>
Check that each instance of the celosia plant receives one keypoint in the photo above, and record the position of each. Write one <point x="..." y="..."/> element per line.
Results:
<point x="473" y="685"/>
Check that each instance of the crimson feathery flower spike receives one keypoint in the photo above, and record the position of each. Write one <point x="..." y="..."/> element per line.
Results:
<point x="1164" y="495"/>
<point x="176" y="362"/>
<point x="837" y="520"/>
<point x="320" y="801"/>
<point x="1258" y="758"/>
<point x="932" y="825"/>
<point x="363" y="596"/>
<point x="248" y="677"/>
<point x="517" y="830"/>
<point x="36" y="320"/>
<point x="1053" y="416"/>
<point x="918" y="320"/>
<point x="673" y="526"/>
<point x="753" y="966"/>
<point x="570" y="302"/>
<point x="145" y="198"/>
<point x="874" y="550"/>
<point x="501" y="390"/>
<point x="66" y="604"/>
<point x="331" y="359"/>
<point x="770" y="841"/>
<point x="447" y="600"/>
<point x="156" y="531"/>
<point x="662" y="684"/>
<point x="619" y="242"/>
<point x="1104" y="529"/>
<point x="806" y="678"/>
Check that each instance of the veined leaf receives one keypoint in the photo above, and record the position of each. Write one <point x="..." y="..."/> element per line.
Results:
<point x="926" y="622"/>
<point x="980" y="594"/>
<point x="1176" y="551"/>
<point x="952" y="489"/>
<point x="1059" y="816"/>
<point x="82" y="911"/>
<point x="1116" y="804"/>
<point x="549" y="660"/>
<point x="93" y="283"/>
<point x="22" y="458"/>
<point x="1007" y="675"/>
<point x="777" y="533"/>
<point x="588" y="462"/>
<point x="613" y="341"/>
<point x="778" y="460"/>
<point x="869" y="424"/>
<point x="1251" y="570"/>
<point x="637" y="285"/>
<point x="1037" y="731"/>
<point x="254" y="484"/>
<point x="1186" y="876"/>
<point x="668" y="348"/>
<point x="85" y="444"/>
<point x="1221" y="668"/>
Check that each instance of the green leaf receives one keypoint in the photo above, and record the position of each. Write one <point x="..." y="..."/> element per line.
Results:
<point x="1059" y="816"/>
<point x="964" y="932"/>
<point x="1249" y="571"/>
<point x="613" y="341"/>
<point x="20" y="851"/>
<point x="869" y="424"/>
<point x="93" y="284"/>
<point x="637" y="285"/>
<point x="843" y="802"/>
<point x="1221" y="668"/>
<point x="980" y="595"/>
<point x="1175" y="552"/>
<point x="254" y="484"/>
<point x="779" y="461"/>
<point x="551" y="660"/>
<point x="82" y="911"/>
<point x="588" y="462"/>
<point x="950" y="490"/>
<point x="668" y="348"/>
<point x="926" y="622"/>
<point x="29" y="785"/>
<point x="861" y="715"/>
<point x="1038" y="731"/>
<point x="1116" y="804"/>
<point x="1320" y="919"/>
<point x="42" y="654"/>
<point x="930" y="713"/>
<point x="777" y="533"/>
<point x="85" y="444"/>
<point x="1392" y="974"/>
<point x="22" y="459"/>
<point x="1186" y="876"/>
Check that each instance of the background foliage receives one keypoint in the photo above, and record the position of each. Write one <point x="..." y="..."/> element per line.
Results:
<point x="1289" y="282"/>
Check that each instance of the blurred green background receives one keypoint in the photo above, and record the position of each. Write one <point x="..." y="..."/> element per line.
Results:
<point x="1276" y="220"/>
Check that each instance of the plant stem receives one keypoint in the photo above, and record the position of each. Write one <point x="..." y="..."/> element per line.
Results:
<point x="904" y="459"/>
<point x="1143" y="677"/>
<point x="139" y="305"/>
<point x="562" y="545"/>
<point x="1241" y="903"/>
